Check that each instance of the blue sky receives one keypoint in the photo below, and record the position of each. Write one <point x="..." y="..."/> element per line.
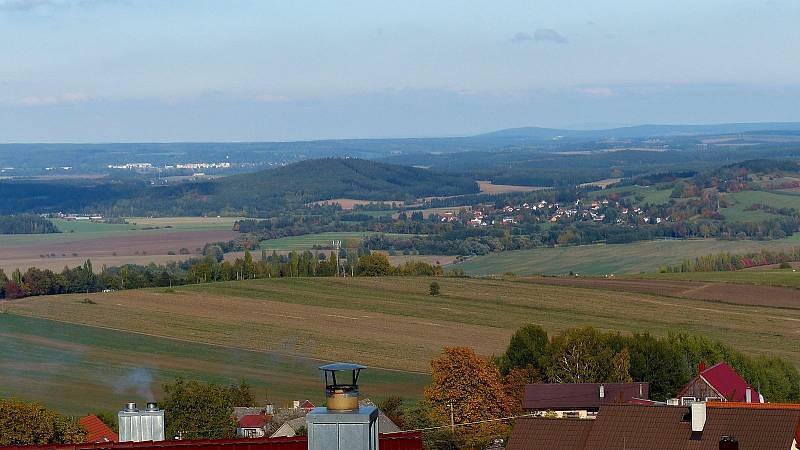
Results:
<point x="177" y="70"/>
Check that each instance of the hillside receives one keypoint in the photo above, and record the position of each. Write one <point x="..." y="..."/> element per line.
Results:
<point x="75" y="353"/>
<point x="256" y="193"/>
<point x="296" y="184"/>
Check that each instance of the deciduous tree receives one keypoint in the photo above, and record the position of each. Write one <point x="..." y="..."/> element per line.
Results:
<point x="474" y="388"/>
<point x="23" y="423"/>
<point x="196" y="410"/>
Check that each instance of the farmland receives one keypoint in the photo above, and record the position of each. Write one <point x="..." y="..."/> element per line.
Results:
<point x="141" y="241"/>
<point x="601" y="259"/>
<point x="487" y="187"/>
<point x="766" y="277"/>
<point x="265" y="331"/>
<point x="308" y="241"/>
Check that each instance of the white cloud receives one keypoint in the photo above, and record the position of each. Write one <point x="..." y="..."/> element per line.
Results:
<point x="269" y="98"/>
<point x="70" y="98"/>
<point x="34" y="5"/>
<point x="23" y="5"/>
<point x="597" y="91"/>
<point x="547" y="35"/>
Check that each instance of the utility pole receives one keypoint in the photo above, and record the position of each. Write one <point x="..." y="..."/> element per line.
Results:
<point x="452" y="418"/>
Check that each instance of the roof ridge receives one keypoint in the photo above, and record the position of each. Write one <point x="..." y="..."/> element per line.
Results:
<point x="745" y="405"/>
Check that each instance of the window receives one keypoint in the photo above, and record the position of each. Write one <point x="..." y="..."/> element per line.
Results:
<point x="713" y="399"/>
<point x="687" y="401"/>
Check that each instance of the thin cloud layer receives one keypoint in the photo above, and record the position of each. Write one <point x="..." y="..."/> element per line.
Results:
<point x="546" y="35"/>
<point x="549" y="35"/>
<point x="70" y="98"/>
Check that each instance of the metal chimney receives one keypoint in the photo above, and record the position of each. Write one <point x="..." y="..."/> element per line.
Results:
<point x="343" y="424"/>
<point x="698" y="410"/>
<point x="141" y="426"/>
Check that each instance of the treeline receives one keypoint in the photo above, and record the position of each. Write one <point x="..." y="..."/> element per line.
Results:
<point x="725" y="262"/>
<point x="26" y="224"/>
<point x="478" y="391"/>
<point x="586" y="355"/>
<point x="211" y="268"/>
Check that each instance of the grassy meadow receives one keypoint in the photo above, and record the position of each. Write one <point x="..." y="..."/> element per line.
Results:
<point x="76" y="354"/>
<point x="602" y="259"/>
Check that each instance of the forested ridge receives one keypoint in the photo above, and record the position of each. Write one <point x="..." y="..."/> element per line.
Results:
<point x="26" y="224"/>
<point x="260" y="193"/>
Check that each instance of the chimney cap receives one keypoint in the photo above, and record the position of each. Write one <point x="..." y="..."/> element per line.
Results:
<point x="335" y="367"/>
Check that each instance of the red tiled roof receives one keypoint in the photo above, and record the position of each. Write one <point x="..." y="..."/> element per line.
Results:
<point x="254" y="420"/>
<point x="727" y="382"/>
<point x="545" y="396"/>
<point x="97" y="431"/>
<point x="307" y="405"/>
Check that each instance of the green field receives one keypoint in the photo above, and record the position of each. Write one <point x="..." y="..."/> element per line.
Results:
<point x="308" y="241"/>
<point x="602" y="259"/>
<point x="265" y="331"/>
<point x="767" y="277"/>
<point x="742" y="200"/>
<point x="651" y="194"/>
<point x="78" y="369"/>
<point x="80" y="230"/>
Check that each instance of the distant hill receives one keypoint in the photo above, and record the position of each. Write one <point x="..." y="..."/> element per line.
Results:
<point x="642" y="131"/>
<point x="297" y="184"/>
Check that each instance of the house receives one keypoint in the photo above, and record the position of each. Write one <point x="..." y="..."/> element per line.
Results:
<point x="305" y="405"/>
<point x="97" y="432"/>
<point x="253" y="425"/>
<point x="718" y="383"/>
<point x="291" y="427"/>
<point x="581" y="400"/>
<point x="702" y="426"/>
<point x="253" y="421"/>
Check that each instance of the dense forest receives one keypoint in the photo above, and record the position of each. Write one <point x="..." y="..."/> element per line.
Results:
<point x="261" y="193"/>
<point x="26" y="224"/>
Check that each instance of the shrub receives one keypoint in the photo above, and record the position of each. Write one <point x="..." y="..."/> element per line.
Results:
<point x="434" y="288"/>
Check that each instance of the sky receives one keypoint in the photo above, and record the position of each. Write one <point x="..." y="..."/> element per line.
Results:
<point x="263" y="70"/>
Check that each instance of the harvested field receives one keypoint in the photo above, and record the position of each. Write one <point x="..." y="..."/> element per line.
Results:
<point x="75" y="355"/>
<point x="741" y="294"/>
<point x="141" y="246"/>
<point x="487" y="187"/>
<point x="602" y="183"/>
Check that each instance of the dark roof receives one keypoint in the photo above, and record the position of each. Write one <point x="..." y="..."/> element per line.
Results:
<point x="636" y="427"/>
<point x="551" y="434"/>
<point x="396" y="441"/>
<point x="545" y="396"/>
<point x="97" y="431"/>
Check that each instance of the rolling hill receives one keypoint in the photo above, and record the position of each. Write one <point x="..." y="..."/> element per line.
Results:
<point x="256" y="193"/>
